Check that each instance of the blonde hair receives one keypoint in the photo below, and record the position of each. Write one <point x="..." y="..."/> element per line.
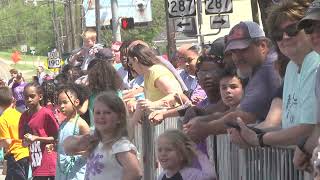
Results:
<point x="182" y="143"/>
<point x="111" y="99"/>
<point x="89" y="34"/>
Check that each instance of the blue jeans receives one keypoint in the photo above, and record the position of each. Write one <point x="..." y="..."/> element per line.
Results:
<point x="17" y="170"/>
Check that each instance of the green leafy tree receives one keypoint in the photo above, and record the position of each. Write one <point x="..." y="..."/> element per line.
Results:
<point x="22" y="23"/>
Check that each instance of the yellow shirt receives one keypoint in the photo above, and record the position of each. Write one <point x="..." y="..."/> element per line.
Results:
<point x="9" y="129"/>
<point x="156" y="71"/>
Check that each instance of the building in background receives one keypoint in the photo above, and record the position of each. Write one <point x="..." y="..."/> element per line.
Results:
<point x="140" y="10"/>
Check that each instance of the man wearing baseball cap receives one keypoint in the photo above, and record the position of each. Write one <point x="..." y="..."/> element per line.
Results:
<point x="253" y="56"/>
<point x="310" y="23"/>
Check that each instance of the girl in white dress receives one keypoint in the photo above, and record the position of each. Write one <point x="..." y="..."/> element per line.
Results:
<point x="111" y="156"/>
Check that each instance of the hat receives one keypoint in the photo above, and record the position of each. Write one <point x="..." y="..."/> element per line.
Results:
<point x="104" y="53"/>
<point x="241" y="35"/>
<point x="217" y="48"/>
<point x="313" y="13"/>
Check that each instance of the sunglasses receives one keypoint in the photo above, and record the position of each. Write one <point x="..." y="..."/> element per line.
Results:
<point x="290" y="30"/>
<point x="313" y="27"/>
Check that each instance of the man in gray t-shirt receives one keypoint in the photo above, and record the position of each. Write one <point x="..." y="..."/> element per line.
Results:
<point x="253" y="58"/>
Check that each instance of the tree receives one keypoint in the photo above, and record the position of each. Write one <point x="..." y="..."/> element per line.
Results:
<point x="26" y="24"/>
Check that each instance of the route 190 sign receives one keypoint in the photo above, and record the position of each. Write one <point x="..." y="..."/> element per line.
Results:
<point x="181" y="8"/>
<point x="54" y="60"/>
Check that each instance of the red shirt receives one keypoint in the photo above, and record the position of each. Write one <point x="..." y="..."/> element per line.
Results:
<point x="42" y="124"/>
<point x="56" y="112"/>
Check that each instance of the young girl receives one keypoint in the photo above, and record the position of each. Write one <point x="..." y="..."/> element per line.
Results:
<point x="176" y="152"/>
<point x="70" y="98"/>
<point x="38" y="130"/>
<point x="111" y="156"/>
<point x="50" y="99"/>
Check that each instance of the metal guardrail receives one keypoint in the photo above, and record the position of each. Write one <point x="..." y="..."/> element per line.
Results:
<point x="270" y="163"/>
<point x="232" y="163"/>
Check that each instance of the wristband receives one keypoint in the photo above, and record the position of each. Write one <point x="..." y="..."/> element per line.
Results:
<point x="260" y="138"/>
<point x="301" y="143"/>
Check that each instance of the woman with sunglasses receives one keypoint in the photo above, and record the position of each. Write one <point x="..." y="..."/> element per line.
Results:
<point x="298" y="105"/>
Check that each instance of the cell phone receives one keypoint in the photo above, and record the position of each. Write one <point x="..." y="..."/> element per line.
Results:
<point x="232" y="125"/>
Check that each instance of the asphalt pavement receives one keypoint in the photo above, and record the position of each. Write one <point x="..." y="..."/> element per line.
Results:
<point x="2" y="177"/>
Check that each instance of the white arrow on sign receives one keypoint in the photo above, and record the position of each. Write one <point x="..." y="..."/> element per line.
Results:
<point x="184" y="24"/>
<point x="220" y="21"/>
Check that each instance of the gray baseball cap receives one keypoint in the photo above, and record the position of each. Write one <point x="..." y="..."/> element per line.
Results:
<point x="313" y="13"/>
<point x="241" y="35"/>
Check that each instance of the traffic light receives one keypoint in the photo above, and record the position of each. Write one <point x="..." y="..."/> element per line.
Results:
<point x="127" y="23"/>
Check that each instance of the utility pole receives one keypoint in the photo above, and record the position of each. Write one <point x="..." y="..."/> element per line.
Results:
<point x="55" y="28"/>
<point x="116" y="33"/>
<point x="199" y="23"/>
<point x="78" y="22"/>
<point x="67" y="27"/>
<point x="171" y="34"/>
<point x="98" y="27"/>
<point x="71" y="9"/>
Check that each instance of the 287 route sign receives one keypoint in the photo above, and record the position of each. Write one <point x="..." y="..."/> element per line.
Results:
<point x="218" y="6"/>
<point x="181" y="8"/>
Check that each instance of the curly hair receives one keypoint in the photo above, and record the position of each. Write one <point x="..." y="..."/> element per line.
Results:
<point x="206" y="58"/>
<point x="103" y="77"/>
<point x="78" y="91"/>
<point x="49" y="92"/>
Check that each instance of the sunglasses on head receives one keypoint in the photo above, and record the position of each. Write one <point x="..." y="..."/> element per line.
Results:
<point x="290" y="30"/>
<point x="313" y="27"/>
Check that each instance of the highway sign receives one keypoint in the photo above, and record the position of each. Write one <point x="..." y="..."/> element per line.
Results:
<point x="24" y="48"/>
<point x="220" y="21"/>
<point x="54" y="60"/>
<point x="184" y="24"/>
<point x="181" y="8"/>
<point x="218" y="6"/>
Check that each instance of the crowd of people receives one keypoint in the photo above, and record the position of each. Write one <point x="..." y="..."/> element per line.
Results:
<point x="260" y="90"/>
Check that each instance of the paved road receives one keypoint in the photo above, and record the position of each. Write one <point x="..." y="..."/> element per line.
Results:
<point x="2" y="177"/>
